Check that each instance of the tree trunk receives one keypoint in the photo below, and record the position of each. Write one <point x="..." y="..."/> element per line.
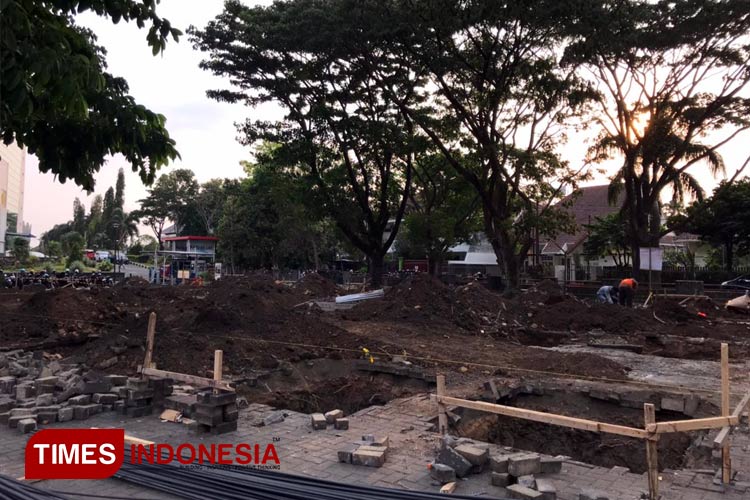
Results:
<point x="512" y="269"/>
<point x="316" y="260"/>
<point x="432" y="266"/>
<point x="376" y="270"/>
<point x="729" y="256"/>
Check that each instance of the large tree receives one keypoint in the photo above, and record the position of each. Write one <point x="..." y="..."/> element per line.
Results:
<point x="673" y="79"/>
<point x="722" y="220"/>
<point x="350" y="140"/>
<point x="171" y="198"/>
<point x="59" y="101"/>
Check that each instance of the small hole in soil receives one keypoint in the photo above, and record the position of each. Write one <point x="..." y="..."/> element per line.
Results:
<point x="321" y="385"/>
<point x="676" y="450"/>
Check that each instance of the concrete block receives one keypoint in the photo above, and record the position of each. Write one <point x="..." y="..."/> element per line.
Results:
<point x="379" y="441"/>
<point x="15" y="412"/>
<point x="14" y="420"/>
<point x="523" y="465"/>
<point x="83" y="412"/>
<point x="44" y="400"/>
<point x="592" y="495"/>
<point x="136" y="383"/>
<point x="135" y="394"/>
<point x="318" y="421"/>
<point x="550" y="465"/>
<point x="500" y="479"/>
<point x="224" y="427"/>
<point x="65" y="414"/>
<point x="209" y="415"/>
<point x="119" y="406"/>
<point x="476" y="456"/>
<point x="25" y="391"/>
<point x="691" y="405"/>
<point x="231" y="413"/>
<point x="528" y="481"/>
<point x="369" y="456"/>
<point x="6" y="404"/>
<point x="332" y="415"/>
<point x="223" y="398"/>
<point x="46" y="381"/>
<point x="499" y="463"/>
<point x="7" y="385"/>
<point x="26" y="403"/>
<point x="345" y="454"/>
<point x="450" y="457"/>
<point x="26" y="425"/>
<point x="83" y="399"/>
<point x="4" y="418"/>
<point x="105" y="399"/>
<point x="184" y="404"/>
<point x="673" y="403"/>
<point x="546" y="488"/>
<point x="46" y="417"/>
<point x="442" y="473"/>
<point x="117" y="380"/>
<point x="516" y="491"/>
<point x="341" y="424"/>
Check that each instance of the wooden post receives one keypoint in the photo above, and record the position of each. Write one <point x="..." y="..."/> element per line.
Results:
<point x="726" y="459"/>
<point x="218" y="367"/>
<point x="150" y="333"/>
<point x="442" y="416"/>
<point x="652" y="460"/>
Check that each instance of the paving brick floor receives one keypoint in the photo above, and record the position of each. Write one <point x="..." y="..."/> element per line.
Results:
<point x="405" y="422"/>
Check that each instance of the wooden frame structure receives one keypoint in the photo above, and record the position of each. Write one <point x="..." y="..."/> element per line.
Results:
<point x="651" y="428"/>
<point x="148" y="369"/>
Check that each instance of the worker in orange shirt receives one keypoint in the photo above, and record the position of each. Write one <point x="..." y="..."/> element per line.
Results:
<point x="627" y="291"/>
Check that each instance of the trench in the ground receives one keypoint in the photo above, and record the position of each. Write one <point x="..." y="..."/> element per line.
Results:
<point x="675" y="451"/>
<point x="320" y="385"/>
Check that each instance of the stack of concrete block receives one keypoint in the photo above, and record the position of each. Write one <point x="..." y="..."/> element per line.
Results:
<point x="216" y="413"/>
<point x="321" y="421"/>
<point x="139" y="397"/>
<point x="369" y="451"/>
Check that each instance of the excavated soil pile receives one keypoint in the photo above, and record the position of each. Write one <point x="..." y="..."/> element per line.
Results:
<point x="422" y="299"/>
<point x="107" y="327"/>
<point x="313" y="285"/>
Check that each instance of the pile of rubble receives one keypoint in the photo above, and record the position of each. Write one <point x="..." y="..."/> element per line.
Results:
<point x="523" y="475"/>
<point x="35" y="391"/>
<point x="370" y="451"/>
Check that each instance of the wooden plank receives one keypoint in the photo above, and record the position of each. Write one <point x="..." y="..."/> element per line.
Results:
<point x="134" y="440"/>
<point x="442" y="415"/>
<point x="742" y="406"/>
<point x="721" y="437"/>
<point x="218" y="367"/>
<point x="548" y="418"/>
<point x="190" y="379"/>
<point x="150" y="334"/>
<point x="726" y="458"/>
<point x="691" y="425"/>
<point x="652" y="458"/>
<point x="448" y="488"/>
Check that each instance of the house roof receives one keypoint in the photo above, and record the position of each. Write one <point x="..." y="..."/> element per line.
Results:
<point x="588" y="203"/>
<point x="192" y="238"/>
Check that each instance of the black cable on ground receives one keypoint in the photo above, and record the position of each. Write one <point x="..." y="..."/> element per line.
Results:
<point x="243" y="483"/>
<point x="12" y="489"/>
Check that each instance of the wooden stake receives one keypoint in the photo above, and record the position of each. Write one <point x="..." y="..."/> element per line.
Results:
<point x="726" y="459"/>
<point x="218" y="367"/>
<point x="442" y="415"/>
<point x="150" y="333"/>
<point x="652" y="460"/>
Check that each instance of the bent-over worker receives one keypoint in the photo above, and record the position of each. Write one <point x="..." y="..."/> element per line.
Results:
<point x="627" y="291"/>
<point x="607" y="295"/>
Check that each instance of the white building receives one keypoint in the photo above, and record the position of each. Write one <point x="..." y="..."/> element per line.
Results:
<point x="12" y="180"/>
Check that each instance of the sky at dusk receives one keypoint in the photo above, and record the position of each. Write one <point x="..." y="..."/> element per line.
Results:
<point x="173" y="85"/>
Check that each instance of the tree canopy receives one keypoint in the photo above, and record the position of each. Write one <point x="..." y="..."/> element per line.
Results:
<point x="61" y="103"/>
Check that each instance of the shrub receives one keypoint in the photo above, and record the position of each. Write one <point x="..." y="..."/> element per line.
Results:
<point x="77" y="264"/>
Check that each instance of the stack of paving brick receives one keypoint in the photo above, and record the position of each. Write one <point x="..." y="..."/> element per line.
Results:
<point x="370" y="452"/>
<point x="139" y="396"/>
<point x="522" y="475"/>
<point x="216" y="413"/>
<point x="321" y="421"/>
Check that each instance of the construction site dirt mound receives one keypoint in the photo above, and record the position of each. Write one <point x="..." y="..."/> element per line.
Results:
<point x="422" y="299"/>
<point x="313" y="285"/>
<point x="575" y="363"/>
